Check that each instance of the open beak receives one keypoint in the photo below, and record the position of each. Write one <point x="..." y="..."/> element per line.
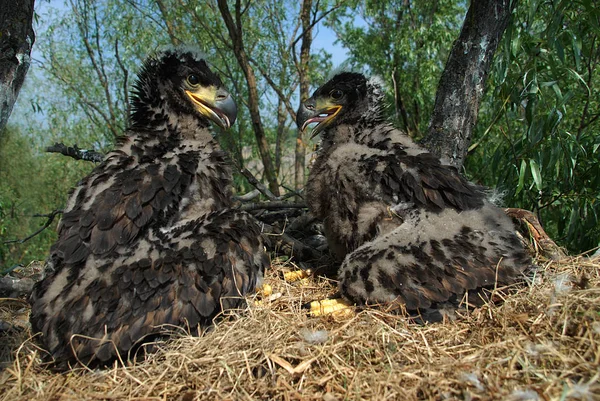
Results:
<point x="216" y="104"/>
<point x="321" y="112"/>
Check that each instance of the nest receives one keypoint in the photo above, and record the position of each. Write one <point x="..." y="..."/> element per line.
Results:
<point x="535" y="342"/>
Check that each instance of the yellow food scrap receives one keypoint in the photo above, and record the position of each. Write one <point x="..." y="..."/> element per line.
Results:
<point x="265" y="290"/>
<point x="337" y="307"/>
<point x="296" y="275"/>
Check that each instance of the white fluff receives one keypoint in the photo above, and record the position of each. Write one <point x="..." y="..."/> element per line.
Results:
<point x="314" y="336"/>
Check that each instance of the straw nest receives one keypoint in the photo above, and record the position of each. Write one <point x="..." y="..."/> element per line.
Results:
<point x="538" y="341"/>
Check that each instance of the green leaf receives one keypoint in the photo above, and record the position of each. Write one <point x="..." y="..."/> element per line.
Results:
<point x="535" y="172"/>
<point x="522" y="170"/>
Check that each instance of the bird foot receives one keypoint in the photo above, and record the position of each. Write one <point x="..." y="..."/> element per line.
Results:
<point x="336" y="307"/>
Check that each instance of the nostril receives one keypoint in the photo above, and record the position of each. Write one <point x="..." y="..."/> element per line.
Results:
<point x="221" y="97"/>
<point x="310" y="107"/>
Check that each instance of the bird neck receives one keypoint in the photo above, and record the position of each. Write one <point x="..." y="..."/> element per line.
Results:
<point x="149" y="144"/>
<point x="360" y="132"/>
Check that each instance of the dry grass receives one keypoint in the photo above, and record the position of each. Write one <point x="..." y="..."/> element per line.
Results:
<point x="541" y="343"/>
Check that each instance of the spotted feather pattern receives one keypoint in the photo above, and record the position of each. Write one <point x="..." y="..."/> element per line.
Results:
<point x="406" y="227"/>
<point x="149" y="240"/>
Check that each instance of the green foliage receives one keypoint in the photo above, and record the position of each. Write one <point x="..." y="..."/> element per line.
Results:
<point x="30" y="183"/>
<point x="538" y="134"/>
<point x="407" y="44"/>
<point x="537" y="137"/>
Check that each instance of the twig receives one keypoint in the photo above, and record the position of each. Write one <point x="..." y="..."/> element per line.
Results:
<point x="292" y="192"/>
<point x="51" y="216"/>
<point x="273" y="205"/>
<point x="288" y="244"/>
<point x="76" y="153"/>
<point x="247" y="197"/>
<point x="301" y="222"/>
<point x="257" y="184"/>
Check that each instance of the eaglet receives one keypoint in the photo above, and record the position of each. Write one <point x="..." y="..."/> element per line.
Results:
<point x="149" y="239"/>
<point x="407" y="228"/>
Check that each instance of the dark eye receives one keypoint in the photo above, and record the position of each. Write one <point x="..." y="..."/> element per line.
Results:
<point x="193" y="79"/>
<point x="336" y="94"/>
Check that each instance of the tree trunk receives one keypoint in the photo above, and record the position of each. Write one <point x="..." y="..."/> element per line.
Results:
<point x="300" y="154"/>
<point x="235" y="32"/>
<point x="16" y="40"/>
<point x="463" y="80"/>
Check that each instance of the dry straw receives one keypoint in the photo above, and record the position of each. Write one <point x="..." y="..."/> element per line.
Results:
<point x="536" y="342"/>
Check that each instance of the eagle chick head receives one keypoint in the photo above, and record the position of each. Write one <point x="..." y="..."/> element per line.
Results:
<point x="347" y="98"/>
<point x="177" y="82"/>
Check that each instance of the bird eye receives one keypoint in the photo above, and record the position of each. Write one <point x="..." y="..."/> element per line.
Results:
<point x="336" y="94"/>
<point x="193" y="80"/>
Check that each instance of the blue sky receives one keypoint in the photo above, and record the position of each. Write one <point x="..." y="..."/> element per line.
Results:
<point x="324" y="38"/>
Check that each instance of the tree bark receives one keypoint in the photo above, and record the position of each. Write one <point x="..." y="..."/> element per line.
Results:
<point x="235" y="32"/>
<point x="463" y="80"/>
<point x="16" y="40"/>
<point x="300" y="152"/>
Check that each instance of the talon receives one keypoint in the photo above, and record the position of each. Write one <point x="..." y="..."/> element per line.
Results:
<point x="337" y="307"/>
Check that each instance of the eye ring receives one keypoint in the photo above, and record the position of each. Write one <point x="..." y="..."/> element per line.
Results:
<point x="193" y="80"/>
<point x="336" y="94"/>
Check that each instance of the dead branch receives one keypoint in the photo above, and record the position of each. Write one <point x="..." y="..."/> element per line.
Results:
<point x="273" y="205"/>
<point x="51" y="216"/>
<point x="284" y="243"/>
<point x="248" y="196"/>
<point x="12" y="287"/>
<point x="256" y="184"/>
<point x="291" y="192"/>
<point x="76" y="153"/>
<point x="540" y="241"/>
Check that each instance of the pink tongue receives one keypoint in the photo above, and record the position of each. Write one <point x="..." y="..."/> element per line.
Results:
<point x="316" y="119"/>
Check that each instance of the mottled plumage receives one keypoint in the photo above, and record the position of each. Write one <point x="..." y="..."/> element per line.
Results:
<point x="407" y="227"/>
<point x="149" y="239"/>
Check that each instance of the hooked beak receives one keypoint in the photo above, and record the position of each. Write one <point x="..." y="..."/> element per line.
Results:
<point x="214" y="103"/>
<point x="321" y="112"/>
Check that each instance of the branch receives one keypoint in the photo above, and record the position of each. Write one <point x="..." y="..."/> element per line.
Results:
<point x="169" y="24"/>
<point x="99" y="67"/>
<point x="541" y="240"/>
<point x="51" y="216"/>
<point x="257" y="184"/>
<point x="273" y="205"/>
<point x="292" y="192"/>
<point x="76" y="153"/>
<point x="248" y="196"/>
<point x="125" y="80"/>
<point x="316" y="21"/>
<point x="81" y="97"/>
<point x="288" y="245"/>
<point x="284" y="99"/>
<point x="235" y="33"/>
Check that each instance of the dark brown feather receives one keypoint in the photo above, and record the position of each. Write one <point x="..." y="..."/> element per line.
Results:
<point x="406" y="227"/>
<point x="149" y="239"/>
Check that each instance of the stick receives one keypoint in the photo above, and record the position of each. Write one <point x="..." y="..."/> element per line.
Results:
<point x="76" y="153"/>
<point x="273" y="205"/>
<point x="51" y="217"/>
